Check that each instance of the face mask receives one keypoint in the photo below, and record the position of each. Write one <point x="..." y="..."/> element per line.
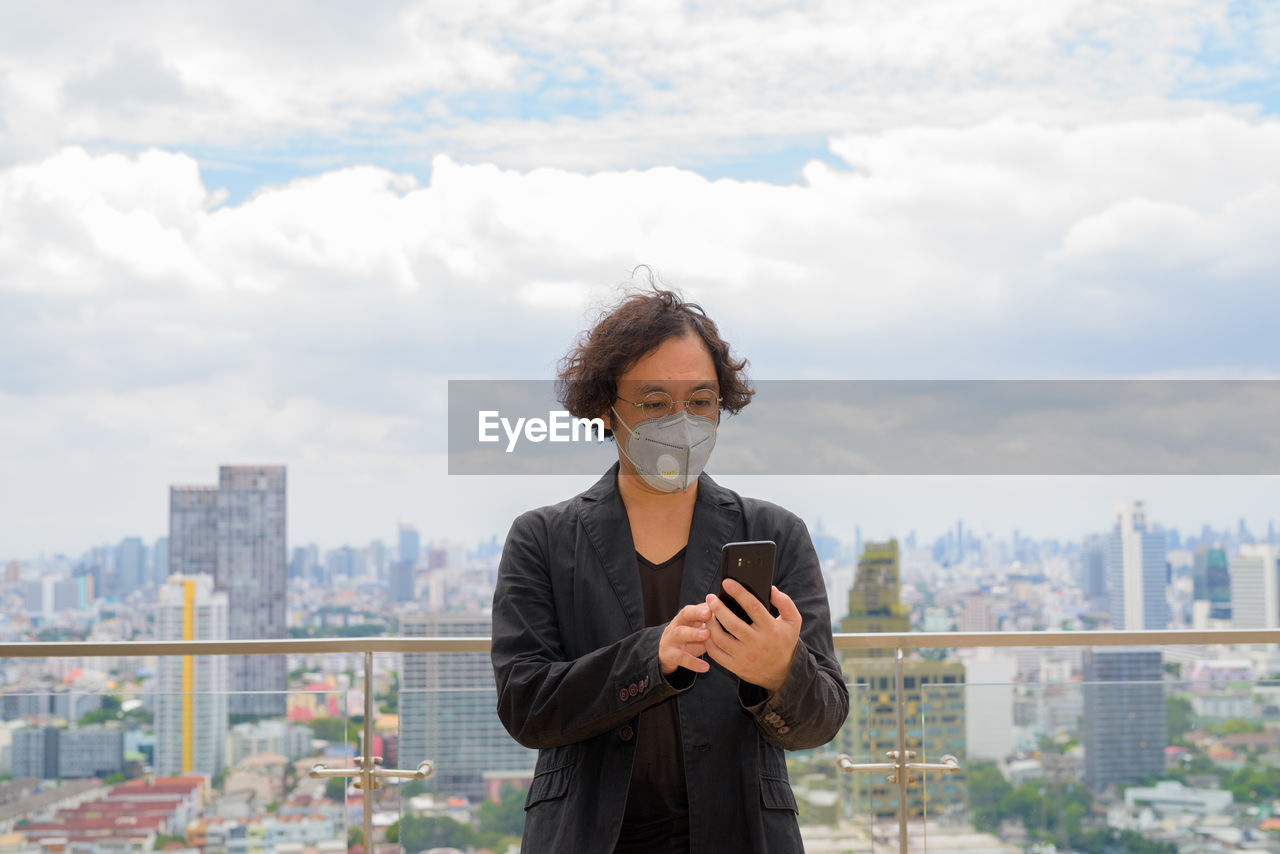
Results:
<point x="670" y="453"/>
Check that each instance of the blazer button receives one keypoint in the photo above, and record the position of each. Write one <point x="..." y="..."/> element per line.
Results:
<point x="634" y="689"/>
<point x="624" y="695"/>
<point x="626" y="733"/>
<point x="783" y="730"/>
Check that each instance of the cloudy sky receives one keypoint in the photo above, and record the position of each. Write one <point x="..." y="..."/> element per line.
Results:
<point x="232" y="232"/>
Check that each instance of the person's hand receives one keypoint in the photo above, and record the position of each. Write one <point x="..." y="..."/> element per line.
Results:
<point x="684" y="640"/>
<point x="759" y="653"/>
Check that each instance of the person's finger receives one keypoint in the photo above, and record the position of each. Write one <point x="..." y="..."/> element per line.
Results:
<point x="692" y="614"/>
<point x="721" y="636"/>
<point x="730" y="621"/>
<point x="787" y="609"/>
<point x="692" y="662"/>
<point x="717" y="653"/>
<point x="754" y="607"/>
<point x="691" y="634"/>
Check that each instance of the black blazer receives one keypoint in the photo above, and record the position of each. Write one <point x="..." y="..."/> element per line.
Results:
<point x="575" y="667"/>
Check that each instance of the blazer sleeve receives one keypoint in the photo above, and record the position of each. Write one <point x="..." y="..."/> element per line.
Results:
<point x="813" y="701"/>
<point x="546" y="698"/>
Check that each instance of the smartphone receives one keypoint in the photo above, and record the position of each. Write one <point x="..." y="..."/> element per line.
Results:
<point x="751" y="565"/>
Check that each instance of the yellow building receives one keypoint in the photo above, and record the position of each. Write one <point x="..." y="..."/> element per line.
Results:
<point x="933" y="692"/>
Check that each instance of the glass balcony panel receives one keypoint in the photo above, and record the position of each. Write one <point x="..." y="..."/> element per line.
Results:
<point x="1117" y="751"/>
<point x="130" y="767"/>
<point x="835" y="806"/>
<point x="475" y="796"/>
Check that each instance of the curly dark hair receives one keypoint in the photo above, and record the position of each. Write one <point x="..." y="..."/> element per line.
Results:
<point x="587" y="383"/>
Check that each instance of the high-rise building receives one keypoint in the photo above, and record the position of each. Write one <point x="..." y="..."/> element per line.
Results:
<point x="1255" y="587"/>
<point x="1093" y="571"/>
<point x="934" y="688"/>
<point x="1136" y="571"/>
<point x="378" y="560"/>
<point x="447" y="703"/>
<point x="235" y="532"/>
<point x="1124" y="715"/>
<point x="401" y="586"/>
<point x="130" y="566"/>
<point x="1211" y="579"/>
<point x="253" y="570"/>
<point x="989" y="682"/>
<point x="410" y="546"/>
<point x="191" y="691"/>
<point x="875" y="599"/>
<point x="193" y="530"/>
<point x="160" y="561"/>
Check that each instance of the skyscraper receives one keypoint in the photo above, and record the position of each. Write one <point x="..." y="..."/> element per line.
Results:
<point x="1124" y="715"/>
<point x="1255" y="587"/>
<point x="1093" y="571"/>
<point x="191" y="693"/>
<point x="1211" y="578"/>
<point x="874" y="600"/>
<point x="933" y="688"/>
<point x="1136" y="571"/>
<point x="130" y="564"/>
<point x="160" y="561"/>
<point x="253" y="569"/>
<point x="409" y="546"/>
<point x="193" y="530"/>
<point x="235" y="532"/>
<point x="447" y="703"/>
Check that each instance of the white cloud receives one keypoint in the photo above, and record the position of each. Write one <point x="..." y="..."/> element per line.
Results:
<point x="581" y="86"/>
<point x="1030" y="190"/>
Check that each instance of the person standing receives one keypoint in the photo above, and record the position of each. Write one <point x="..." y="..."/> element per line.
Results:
<point x="660" y="718"/>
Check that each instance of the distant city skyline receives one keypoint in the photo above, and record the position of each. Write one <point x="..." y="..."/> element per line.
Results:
<point x="883" y="507"/>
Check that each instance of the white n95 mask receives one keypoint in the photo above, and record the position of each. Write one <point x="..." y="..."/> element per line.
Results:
<point x="670" y="452"/>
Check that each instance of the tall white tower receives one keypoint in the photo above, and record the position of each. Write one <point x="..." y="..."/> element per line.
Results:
<point x="191" y="697"/>
<point x="1136" y="571"/>
<point x="1255" y="587"/>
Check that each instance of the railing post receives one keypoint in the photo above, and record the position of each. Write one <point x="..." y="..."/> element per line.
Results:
<point x="369" y="775"/>
<point x="900" y="766"/>
<point x="366" y="778"/>
<point x="901" y="697"/>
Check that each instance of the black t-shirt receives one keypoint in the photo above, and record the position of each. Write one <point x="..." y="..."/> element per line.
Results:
<point x="657" y="815"/>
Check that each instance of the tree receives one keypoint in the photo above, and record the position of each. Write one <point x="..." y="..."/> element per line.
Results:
<point x="506" y="817"/>
<point x="1239" y="726"/>
<point x="417" y="833"/>
<point x="412" y="788"/>
<point x="332" y="730"/>
<point x="163" y="839"/>
<point x="1253" y="784"/>
<point x="987" y="787"/>
<point x="1179" y="718"/>
<point x="335" y="789"/>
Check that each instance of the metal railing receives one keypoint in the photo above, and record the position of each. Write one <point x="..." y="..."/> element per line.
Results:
<point x="369" y="775"/>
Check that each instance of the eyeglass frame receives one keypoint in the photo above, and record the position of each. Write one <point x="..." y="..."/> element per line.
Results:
<point x="671" y="403"/>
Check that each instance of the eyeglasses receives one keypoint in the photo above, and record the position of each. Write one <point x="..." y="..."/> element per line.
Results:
<point x="659" y="404"/>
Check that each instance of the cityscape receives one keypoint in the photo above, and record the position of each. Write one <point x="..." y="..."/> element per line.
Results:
<point x="1107" y="748"/>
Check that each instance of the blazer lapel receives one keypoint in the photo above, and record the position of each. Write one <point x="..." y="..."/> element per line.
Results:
<point x="716" y="521"/>
<point x="604" y="518"/>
